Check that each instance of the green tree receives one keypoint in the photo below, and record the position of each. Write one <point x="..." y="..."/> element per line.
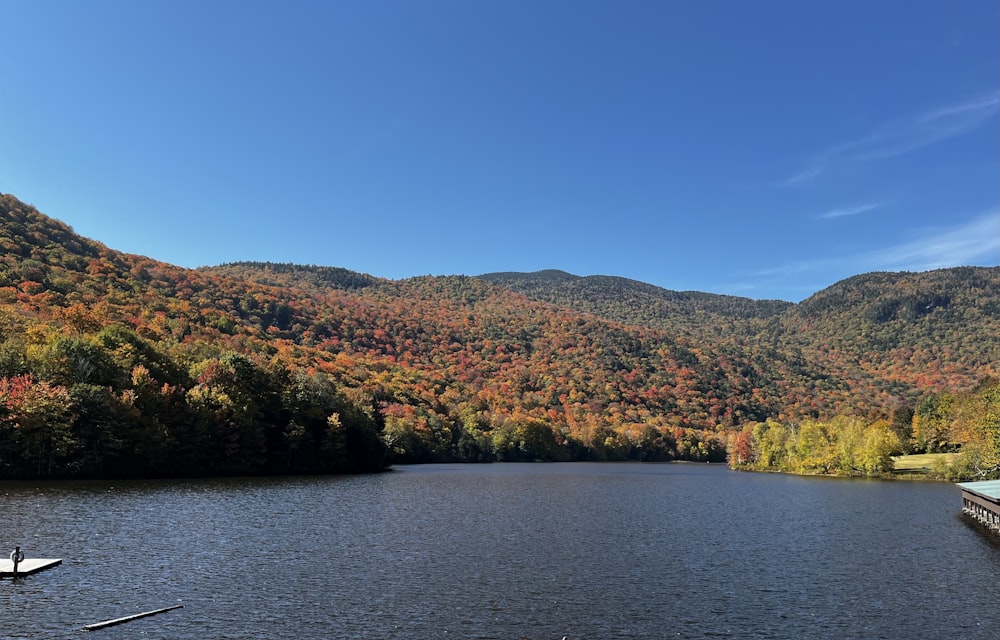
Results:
<point x="932" y="423"/>
<point x="96" y="430"/>
<point x="902" y="424"/>
<point x="536" y="441"/>
<point x="652" y="445"/>
<point x="70" y="360"/>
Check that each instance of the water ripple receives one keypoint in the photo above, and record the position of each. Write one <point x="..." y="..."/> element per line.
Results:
<point x="502" y="552"/>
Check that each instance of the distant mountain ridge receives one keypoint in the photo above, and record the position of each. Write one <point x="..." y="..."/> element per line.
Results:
<point x="891" y="314"/>
<point x="635" y="302"/>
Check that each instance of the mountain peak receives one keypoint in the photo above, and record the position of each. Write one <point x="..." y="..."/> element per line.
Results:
<point x="545" y="275"/>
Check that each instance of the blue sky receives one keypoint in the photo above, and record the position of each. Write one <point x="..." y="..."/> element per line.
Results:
<point x="766" y="149"/>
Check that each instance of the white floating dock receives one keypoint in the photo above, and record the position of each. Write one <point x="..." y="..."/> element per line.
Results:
<point x="27" y="566"/>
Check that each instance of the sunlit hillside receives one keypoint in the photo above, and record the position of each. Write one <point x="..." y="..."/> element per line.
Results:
<point x="120" y="364"/>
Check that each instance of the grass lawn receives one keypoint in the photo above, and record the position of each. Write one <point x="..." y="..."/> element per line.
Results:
<point x="922" y="462"/>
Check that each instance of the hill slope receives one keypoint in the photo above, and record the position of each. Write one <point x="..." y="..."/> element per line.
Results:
<point x="897" y="331"/>
<point x="638" y="303"/>
<point x="256" y="367"/>
<point x="932" y="329"/>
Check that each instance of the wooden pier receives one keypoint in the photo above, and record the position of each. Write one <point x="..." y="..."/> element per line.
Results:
<point x="27" y="566"/>
<point x="981" y="500"/>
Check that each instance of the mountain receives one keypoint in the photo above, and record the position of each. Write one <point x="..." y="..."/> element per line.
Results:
<point x="937" y="328"/>
<point x="638" y="303"/>
<point x="124" y="365"/>
<point x="930" y="329"/>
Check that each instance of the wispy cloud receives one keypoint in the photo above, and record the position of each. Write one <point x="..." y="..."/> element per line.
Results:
<point x="976" y="241"/>
<point x="849" y="211"/>
<point x="900" y="137"/>
<point x="806" y="174"/>
<point x="979" y="108"/>
<point x="783" y="270"/>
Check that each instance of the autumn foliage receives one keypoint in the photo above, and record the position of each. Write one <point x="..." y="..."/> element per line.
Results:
<point x="115" y="364"/>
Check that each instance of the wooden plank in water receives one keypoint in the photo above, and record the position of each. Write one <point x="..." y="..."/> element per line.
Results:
<point x="111" y="623"/>
<point x="27" y="566"/>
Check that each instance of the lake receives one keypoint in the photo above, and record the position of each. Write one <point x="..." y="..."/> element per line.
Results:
<point x="502" y="551"/>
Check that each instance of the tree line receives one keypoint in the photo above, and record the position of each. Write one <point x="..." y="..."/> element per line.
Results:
<point x="845" y="445"/>
<point x="111" y="405"/>
<point x="965" y="423"/>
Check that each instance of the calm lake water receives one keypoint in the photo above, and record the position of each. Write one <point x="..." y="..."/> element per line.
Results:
<point x="502" y="551"/>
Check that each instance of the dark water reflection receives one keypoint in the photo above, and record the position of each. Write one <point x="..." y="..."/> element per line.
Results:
<point x="505" y="552"/>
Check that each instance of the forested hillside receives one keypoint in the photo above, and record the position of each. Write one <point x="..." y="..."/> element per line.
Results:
<point x="881" y="334"/>
<point x="115" y="364"/>
<point x="118" y="365"/>
<point x="703" y="315"/>
<point x="933" y="329"/>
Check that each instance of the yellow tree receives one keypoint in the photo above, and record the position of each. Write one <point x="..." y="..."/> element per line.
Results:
<point x="878" y="445"/>
<point x="977" y="419"/>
